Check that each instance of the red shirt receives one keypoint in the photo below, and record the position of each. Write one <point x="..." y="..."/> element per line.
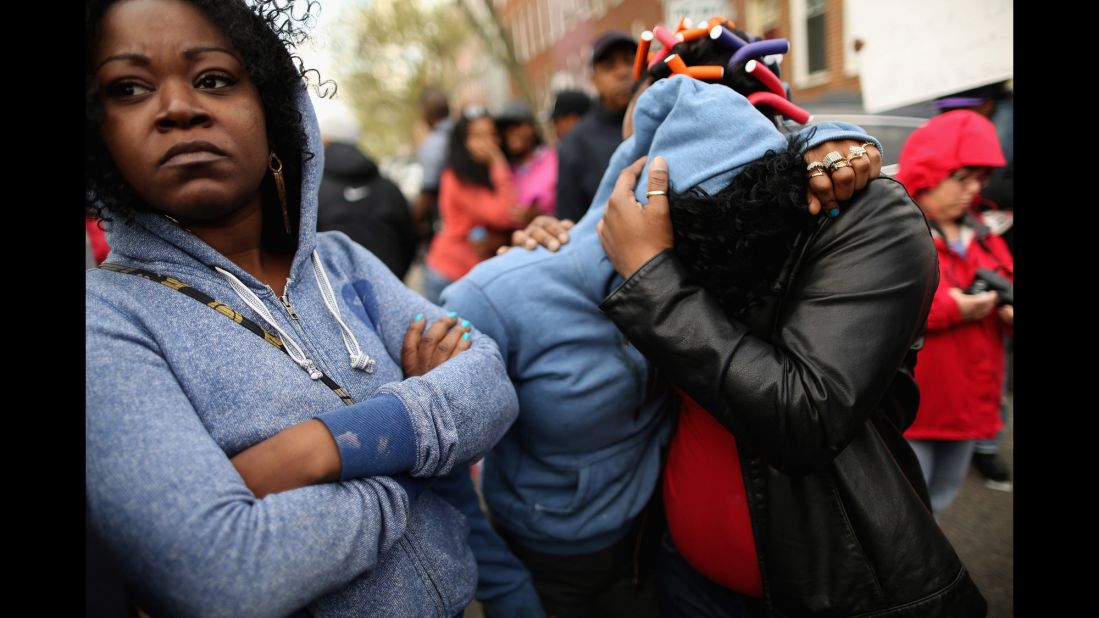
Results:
<point x="706" y="504"/>
<point x="463" y="207"/>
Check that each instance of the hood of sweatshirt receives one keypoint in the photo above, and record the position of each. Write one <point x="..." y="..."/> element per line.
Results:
<point x="152" y="237"/>
<point x="706" y="132"/>
<point x="945" y="143"/>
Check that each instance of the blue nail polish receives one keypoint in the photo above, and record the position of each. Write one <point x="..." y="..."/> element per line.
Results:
<point x="835" y="212"/>
<point x="419" y="316"/>
<point x="452" y="314"/>
<point x="465" y="324"/>
<point x="465" y="337"/>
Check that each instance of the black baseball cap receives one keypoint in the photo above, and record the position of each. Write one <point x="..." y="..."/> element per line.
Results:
<point x="570" y="102"/>
<point x="609" y="40"/>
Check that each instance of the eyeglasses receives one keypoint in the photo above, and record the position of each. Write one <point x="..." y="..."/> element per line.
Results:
<point x="966" y="174"/>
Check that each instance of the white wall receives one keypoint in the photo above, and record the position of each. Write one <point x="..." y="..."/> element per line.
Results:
<point x="915" y="51"/>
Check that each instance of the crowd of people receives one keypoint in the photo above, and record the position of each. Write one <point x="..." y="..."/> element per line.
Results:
<point x="678" y="338"/>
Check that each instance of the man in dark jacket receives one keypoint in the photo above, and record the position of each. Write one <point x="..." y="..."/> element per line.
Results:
<point x="357" y="200"/>
<point x="568" y="108"/>
<point x="584" y="153"/>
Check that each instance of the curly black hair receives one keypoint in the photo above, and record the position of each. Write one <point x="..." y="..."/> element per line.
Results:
<point x="736" y="242"/>
<point x="261" y="34"/>
<point x="459" y="159"/>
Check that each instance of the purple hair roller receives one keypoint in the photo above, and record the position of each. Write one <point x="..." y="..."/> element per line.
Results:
<point x="765" y="47"/>
<point x="958" y="102"/>
<point x="724" y="36"/>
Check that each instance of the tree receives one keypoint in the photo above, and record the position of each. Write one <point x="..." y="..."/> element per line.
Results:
<point x="486" y="20"/>
<point x="394" y="49"/>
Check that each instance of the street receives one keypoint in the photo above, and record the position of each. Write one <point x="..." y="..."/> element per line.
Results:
<point x="980" y="526"/>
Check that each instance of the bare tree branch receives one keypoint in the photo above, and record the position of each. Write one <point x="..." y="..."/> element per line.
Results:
<point x="497" y="37"/>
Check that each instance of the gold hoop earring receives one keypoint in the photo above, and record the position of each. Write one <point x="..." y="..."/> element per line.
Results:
<point x="275" y="165"/>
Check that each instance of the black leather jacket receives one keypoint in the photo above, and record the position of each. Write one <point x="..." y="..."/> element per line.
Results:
<point x="817" y="386"/>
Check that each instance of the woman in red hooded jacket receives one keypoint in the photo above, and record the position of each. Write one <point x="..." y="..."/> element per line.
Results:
<point x="961" y="367"/>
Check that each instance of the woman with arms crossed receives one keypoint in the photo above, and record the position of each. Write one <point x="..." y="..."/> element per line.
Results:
<point x="204" y="157"/>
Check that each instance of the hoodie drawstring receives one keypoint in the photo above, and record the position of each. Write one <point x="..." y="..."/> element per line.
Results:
<point x="359" y="359"/>
<point x="257" y="305"/>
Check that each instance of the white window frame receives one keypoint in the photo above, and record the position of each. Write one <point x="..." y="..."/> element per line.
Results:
<point x="799" y="40"/>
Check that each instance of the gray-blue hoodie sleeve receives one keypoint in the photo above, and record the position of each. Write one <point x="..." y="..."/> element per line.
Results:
<point x="165" y="496"/>
<point x="833" y="130"/>
<point x="460" y="409"/>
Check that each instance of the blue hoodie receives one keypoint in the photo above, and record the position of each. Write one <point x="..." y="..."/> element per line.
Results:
<point x="584" y="456"/>
<point x="174" y="389"/>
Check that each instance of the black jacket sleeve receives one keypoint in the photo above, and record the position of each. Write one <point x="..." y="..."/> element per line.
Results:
<point x="798" y="395"/>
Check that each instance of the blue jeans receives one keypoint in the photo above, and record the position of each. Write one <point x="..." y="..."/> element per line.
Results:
<point x="686" y="593"/>
<point x="944" y="463"/>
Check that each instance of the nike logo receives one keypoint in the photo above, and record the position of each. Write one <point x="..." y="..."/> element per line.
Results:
<point x="354" y="194"/>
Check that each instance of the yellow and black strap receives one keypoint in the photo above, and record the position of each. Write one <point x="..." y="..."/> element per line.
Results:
<point x="224" y="310"/>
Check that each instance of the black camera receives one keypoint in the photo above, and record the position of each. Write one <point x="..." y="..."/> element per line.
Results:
<point x="986" y="280"/>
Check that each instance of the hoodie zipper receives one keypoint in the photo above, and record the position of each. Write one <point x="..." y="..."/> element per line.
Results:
<point x="285" y="298"/>
<point x="290" y="311"/>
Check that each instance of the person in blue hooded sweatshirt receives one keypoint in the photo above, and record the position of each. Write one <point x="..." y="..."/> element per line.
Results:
<point x="570" y="487"/>
<point x="295" y="445"/>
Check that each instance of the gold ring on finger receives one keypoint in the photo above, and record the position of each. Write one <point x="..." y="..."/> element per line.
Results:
<point x="834" y="160"/>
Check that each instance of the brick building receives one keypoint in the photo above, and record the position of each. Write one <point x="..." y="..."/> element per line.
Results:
<point x="553" y="37"/>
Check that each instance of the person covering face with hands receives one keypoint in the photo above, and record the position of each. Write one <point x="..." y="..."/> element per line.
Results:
<point x="791" y="342"/>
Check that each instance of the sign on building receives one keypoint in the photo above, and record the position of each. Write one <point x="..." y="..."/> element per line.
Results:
<point x="697" y="10"/>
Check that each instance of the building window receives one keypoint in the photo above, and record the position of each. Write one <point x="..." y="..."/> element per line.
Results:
<point x="814" y="26"/>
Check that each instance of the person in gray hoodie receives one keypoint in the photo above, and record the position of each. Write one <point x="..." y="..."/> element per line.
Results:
<point x="204" y="158"/>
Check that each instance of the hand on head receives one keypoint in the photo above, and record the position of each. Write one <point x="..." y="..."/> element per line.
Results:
<point x="828" y="187"/>
<point x="633" y="234"/>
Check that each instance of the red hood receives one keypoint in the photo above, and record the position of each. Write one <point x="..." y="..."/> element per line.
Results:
<point x="945" y="143"/>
